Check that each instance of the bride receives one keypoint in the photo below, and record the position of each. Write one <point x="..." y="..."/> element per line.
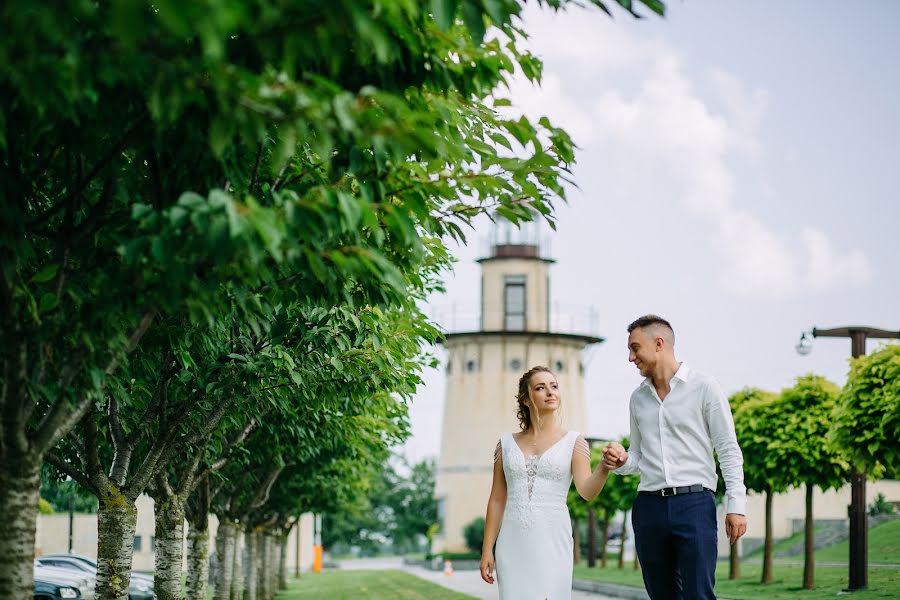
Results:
<point x="527" y="507"/>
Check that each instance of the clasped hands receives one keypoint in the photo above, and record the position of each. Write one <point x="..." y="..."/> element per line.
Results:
<point x="614" y="456"/>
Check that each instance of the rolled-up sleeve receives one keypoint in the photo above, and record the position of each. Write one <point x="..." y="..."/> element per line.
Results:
<point x="731" y="460"/>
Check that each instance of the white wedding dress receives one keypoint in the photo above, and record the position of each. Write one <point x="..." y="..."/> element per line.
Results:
<point x="534" y="547"/>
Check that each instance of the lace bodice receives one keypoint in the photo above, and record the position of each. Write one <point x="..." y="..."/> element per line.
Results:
<point x="536" y="484"/>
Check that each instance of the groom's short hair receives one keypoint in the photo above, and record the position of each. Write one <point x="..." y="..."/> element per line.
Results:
<point x="655" y="324"/>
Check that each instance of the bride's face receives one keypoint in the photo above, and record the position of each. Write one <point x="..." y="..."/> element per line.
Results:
<point x="545" y="391"/>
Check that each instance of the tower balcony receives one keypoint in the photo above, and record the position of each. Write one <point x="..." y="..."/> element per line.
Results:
<point x="562" y="320"/>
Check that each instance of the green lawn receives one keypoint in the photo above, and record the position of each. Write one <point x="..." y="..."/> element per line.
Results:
<point x="884" y="546"/>
<point x="370" y="585"/>
<point x="883" y="583"/>
<point x="785" y="544"/>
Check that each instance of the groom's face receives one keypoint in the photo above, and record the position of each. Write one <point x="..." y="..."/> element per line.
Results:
<point x="642" y="351"/>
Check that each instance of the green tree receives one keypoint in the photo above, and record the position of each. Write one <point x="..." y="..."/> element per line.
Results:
<point x="578" y="513"/>
<point x="756" y="423"/>
<point x="735" y="401"/>
<point x="473" y="533"/>
<point x="801" y="450"/>
<point x="400" y="507"/>
<point x="618" y="495"/>
<point x="170" y="164"/>
<point x="866" y="418"/>
<point x="625" y="488"/>
<point x="413" y="507"/>
<point x="59" y="492"/>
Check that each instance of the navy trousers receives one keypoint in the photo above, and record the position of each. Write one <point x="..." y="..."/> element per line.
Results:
<point x="676" y="541"/>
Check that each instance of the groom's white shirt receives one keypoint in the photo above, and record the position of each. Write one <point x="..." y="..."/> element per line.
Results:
<point x="672" y="441"/>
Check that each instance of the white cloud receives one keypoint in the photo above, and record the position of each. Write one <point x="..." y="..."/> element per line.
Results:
<point x="670" y="128"/>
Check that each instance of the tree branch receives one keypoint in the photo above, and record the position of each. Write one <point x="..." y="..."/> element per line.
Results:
<point x="262" y="496"/>
<point x="255" y="172"/>
<point x="72" y="471"/>
<point x="227" y="451"/>
<point x="101" y="164"/>
<point x="60" y="419"/>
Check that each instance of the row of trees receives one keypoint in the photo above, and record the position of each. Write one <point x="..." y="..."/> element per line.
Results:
<point x="618" y="496"/>
<point x="217" y="223"/>
<point x="808" y="435"/>
<point x="396" y="516"/>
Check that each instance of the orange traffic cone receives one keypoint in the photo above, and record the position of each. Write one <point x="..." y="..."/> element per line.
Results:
<point x="448" y="568"/>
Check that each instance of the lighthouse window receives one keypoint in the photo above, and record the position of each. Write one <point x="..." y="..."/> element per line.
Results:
<point x="560" y="366"/>
<point x="515" y="365"/>
<point x="471" y="366"/>
<point x="514" y="303"/>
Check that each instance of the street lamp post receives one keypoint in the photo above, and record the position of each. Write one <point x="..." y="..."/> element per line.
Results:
<point x="859" y="532"/>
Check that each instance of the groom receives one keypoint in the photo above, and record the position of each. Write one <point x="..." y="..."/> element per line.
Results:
<point x="678" y="417"/>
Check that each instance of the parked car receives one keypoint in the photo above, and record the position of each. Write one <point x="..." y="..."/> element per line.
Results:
<point x="139" y="588"/>
<point x="83" y="582"/>
<point x="54" y="589"/>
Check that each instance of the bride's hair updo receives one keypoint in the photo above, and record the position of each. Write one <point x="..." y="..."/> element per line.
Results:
<point x="523" y="397"/>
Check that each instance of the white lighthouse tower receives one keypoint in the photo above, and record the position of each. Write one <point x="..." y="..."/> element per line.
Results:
<point x="516" y="329"/>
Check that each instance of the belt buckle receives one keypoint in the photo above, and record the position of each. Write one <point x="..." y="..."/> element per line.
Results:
<point x="662" y="492"/>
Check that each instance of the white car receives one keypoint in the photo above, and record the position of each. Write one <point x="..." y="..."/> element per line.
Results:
<point x="140" y="587"/>
<point x="84" y="585"/>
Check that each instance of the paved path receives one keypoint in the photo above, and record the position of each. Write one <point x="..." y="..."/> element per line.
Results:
<point x="467" y="582"/>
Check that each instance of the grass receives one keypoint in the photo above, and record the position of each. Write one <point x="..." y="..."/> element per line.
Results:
<point x="368" y="585"/>
<point x="785" y="544"/>
<point x="883" y="583"/>
<point x="884" y="546"/>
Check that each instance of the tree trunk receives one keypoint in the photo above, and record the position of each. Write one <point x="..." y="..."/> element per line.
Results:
<point x="734" y="561"/>
<point x="262" y="556"/>
<point x="767" y="548"/>
<point x="169" y="549"/>
<point x="116" y="521"/>
<point x="809" y="564"/>
<point x="273" y="562"/>
<point x="576" y="542"/>
<point x="604" y="537"/>
<point x="262" y="566"/>
<point x="592" y="538"/>
<point x="250" y="564"/>
<point x="20" y="485"/>
<point x="623" y="535"/>
<point x="225" y="543"/>
<point x="237" y="571"/>
<point x="198" y="558"/>
<point x="282" y="559"/>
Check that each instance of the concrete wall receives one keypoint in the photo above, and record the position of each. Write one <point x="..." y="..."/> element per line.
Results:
<point x="53" y="537"/>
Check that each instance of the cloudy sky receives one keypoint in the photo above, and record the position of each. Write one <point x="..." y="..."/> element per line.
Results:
<point x="739" y="174"/>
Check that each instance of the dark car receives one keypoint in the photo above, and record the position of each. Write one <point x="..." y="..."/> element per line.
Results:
<point x="54" y="590"/>
<point x="139" y="588"/>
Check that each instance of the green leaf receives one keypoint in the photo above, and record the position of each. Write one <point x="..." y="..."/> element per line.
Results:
<point x="49" y="301"/>
<point x="444" y="11"/>
<point x="474" y="19"/>
<point x="47" y="273"/>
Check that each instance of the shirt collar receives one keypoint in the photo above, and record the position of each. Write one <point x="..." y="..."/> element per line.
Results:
<point x="681" y="374"/>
